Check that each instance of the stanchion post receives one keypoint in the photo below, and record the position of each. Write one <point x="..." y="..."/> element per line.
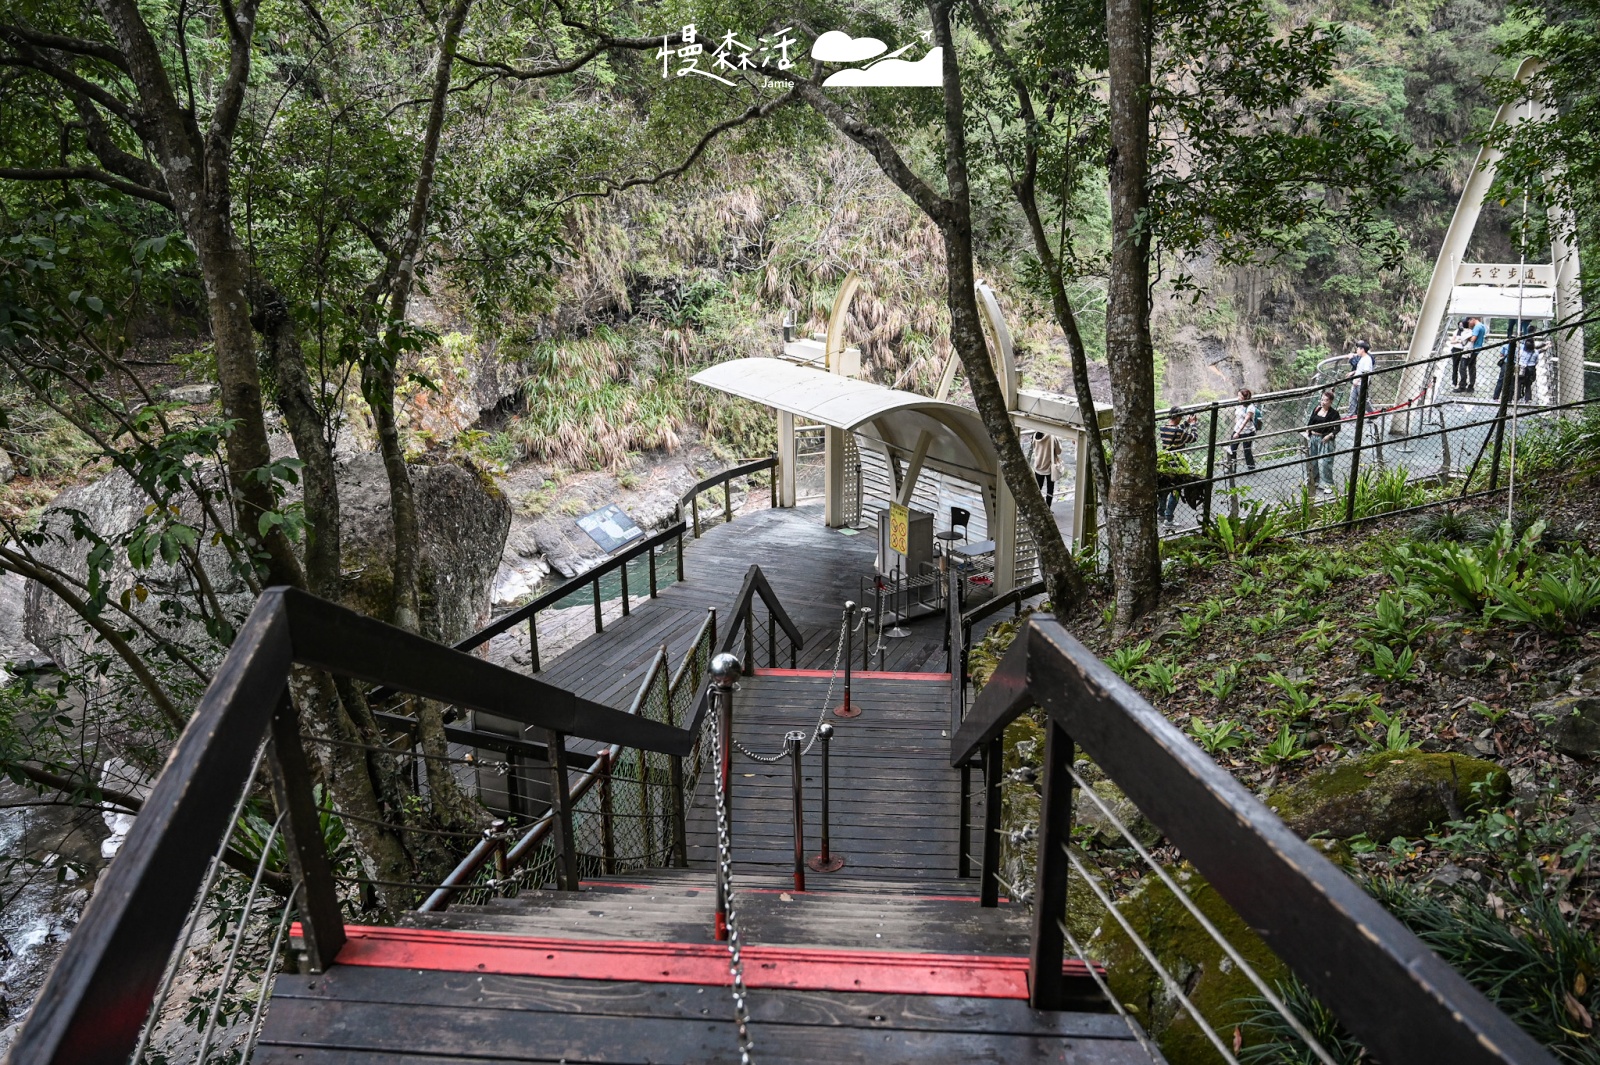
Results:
<point x="725" y="670"/>
<point x="796" y="741"/>
<point x="846" y="709"/>
<point x="826" y="861"/>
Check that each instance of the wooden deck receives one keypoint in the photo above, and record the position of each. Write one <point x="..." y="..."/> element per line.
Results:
<point x="895" y="805"/>
<point x="813" y="570"/>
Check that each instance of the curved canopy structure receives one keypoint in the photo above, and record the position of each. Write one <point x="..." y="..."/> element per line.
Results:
<point x="898" y="421"/>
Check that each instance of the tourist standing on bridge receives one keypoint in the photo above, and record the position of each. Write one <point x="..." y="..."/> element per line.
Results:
<point x="1469" y="358"/>
<point x="1177" y="434"/>
<point x="1460" y="340"/>
<point x="1527" y="370"/>
<point x="1046" y="457"/>
<point x="1360" y="366"/>
<point x="1321" y="432"/>
<point x="1246" y="418"/>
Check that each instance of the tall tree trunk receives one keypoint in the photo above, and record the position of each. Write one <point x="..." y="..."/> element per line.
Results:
<point x="966" y="334"/>
<point x="197" y="170"/>
<point x="380" y="380"/>
<point x="1131" y="504"/>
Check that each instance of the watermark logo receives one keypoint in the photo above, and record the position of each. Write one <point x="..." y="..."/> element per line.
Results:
<point x="888" y="71"/>
<point x="732" y="55"/>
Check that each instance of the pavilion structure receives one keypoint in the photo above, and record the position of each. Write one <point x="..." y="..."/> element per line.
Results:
<point x="817" y="381"/>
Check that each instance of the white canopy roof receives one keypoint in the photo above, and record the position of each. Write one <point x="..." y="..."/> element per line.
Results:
<point x="894" y="418"/>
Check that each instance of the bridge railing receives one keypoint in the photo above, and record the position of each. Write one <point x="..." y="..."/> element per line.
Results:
<point x="1410" y="434"/>
<point x="1381" y="982"/>
<point x="724" y="481"/>
<point x="238" y="781"/>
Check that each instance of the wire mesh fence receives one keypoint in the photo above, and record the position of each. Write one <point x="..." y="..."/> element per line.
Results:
<point x="1398" y="435"/>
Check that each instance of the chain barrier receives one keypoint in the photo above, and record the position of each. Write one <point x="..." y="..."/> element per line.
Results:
<point x="827" y="704"/>
<point x="741" y="1013"/>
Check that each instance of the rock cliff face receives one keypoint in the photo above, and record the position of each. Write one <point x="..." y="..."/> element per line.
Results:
<point x="464" y="520"/>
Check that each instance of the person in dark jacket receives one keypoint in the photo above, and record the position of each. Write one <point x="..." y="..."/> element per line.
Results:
<point x="1321" y="432"/>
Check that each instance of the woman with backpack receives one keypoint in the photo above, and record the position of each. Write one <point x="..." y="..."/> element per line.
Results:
<point x="1246" y="421"/>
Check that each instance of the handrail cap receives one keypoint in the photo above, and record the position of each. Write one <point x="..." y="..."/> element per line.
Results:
<point x="725" y="669"/>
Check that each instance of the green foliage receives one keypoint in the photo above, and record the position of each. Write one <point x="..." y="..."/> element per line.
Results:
<point x="1248" y="534"/>
<point x="1223" y="683"/>
<point x="1225" y="735"/>
<point x="1160" y="676"/>
<point x="1394" y="737"/>
<point x="1298" y="699"/>
<point x="1383" y="491"/>
<point x="1128" y="660"/>
<point x="1286" y="746"/>
<point x="1389" y="665"/>
<point x="1395" y="619"/>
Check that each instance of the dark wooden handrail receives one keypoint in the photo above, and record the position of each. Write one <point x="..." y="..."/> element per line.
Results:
<point x="755" y="584"/>
<point x="692" y="496"/>
<point x="555" y="595"/>
<point x="991" y="607"/>
<point x="1380" y="980"/>
<point x="93" y="1003"/>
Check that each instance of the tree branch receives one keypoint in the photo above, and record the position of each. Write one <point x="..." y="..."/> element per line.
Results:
<point x="55" y="42"/>
<point x="30" y="59"/>
<point x="602" y="42"/>
<point x="756" y="111"/>
<point x="874" y="141"/>
<point x="87" y="173"/>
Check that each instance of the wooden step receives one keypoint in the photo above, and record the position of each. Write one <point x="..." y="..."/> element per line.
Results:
<point x="356" y="1015"/>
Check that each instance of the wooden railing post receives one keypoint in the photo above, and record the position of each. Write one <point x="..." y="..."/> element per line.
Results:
<point x="772" y="640"/>
<point x="680" y="555"/>
<point x="994" y="767"/>
<point x="561" y="803"/>
<point x="322" y="926"/>
<point x="599" y="619"/>
<point x="533" y="642"/>
<point x="694" y="509"/>
<point x="1211" y="471"/>
<point x="623" y="573"/>
<point x="727" y="501"/>
<point x="608" y="838"/>
<point x="652" y="573"/>
<point x="1046" y="985"/>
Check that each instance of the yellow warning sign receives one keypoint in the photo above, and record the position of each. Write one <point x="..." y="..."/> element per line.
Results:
<point x="899" y="528"/>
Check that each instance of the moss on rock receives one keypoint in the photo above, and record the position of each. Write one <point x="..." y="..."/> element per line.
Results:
<point x="1386" y="794"/>
<point x="1208" y="976"/>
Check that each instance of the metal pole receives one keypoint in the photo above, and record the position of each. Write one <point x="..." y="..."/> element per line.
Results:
<point x="772" y="640"/>
<point x="877" y="611"/>
<point x="496" y="834"/>
<point x="796" y="741"/>
<point x="1500" y="427"/>
<point x="725" y="670"/>
<point x="1211" y="468"/>
<point x="827" y="861"/>
<point x="845" y="709"/>
<point x="993" y="770"/>
<point x="561" y="800"/>
<point x="608" y="839"/>
<point x="964" y="834"/>
<point x="1355" y="456"/>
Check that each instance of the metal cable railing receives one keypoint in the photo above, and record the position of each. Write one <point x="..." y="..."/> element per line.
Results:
<point x="1360" y="962"/>
<point x="1401" y="433"/>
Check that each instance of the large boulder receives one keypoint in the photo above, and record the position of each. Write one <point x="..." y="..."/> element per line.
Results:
<point x="1211" y="979"/>
<point x="463" y="520"/>
<point x="1571" y="723"/>
<point x="1387" y="794"/>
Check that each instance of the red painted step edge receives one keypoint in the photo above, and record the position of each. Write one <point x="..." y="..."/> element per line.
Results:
<point x="882" y="972"/>
<point x="858" y="674"/>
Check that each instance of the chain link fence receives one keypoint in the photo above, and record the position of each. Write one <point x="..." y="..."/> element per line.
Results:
<point x="1356" y="445"/>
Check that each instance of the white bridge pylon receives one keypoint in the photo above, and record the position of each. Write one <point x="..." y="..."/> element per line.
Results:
<point x="1523" y="292"/>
